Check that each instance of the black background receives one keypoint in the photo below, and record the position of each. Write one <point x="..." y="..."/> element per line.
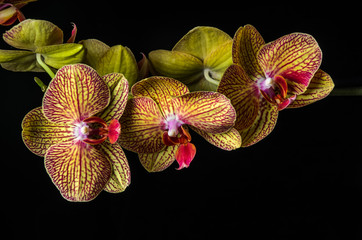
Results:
<point x="301" y="182"/>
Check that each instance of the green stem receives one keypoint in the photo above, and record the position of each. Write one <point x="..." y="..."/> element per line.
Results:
<point x="44" y="66"/>
<point x="353" y="91"/>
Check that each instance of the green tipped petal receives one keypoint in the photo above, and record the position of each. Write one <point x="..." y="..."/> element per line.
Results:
<point x="178" y="65"/>
<point x="119" y="59"/>
<point x="31" y="34"/>
<point x="95" y="50"/>
<point x="201" y="41"/>
<point x="19" y="61"/>
<point x="60" y="55"/>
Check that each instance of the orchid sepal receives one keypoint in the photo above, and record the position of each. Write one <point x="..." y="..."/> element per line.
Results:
<point x="198" y="59"/>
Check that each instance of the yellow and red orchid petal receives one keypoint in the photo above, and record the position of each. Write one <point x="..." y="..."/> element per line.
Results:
<point x="161" y="90"/>
<point x="79" y="170"/>
<point x="119" y="89"/>
<point x="319" y="87"/>
<point x="246" y="44"/>
<point x="243" y="94"/>
<point x="158" y="161"/>
<point x="185" y="154"/>
<point x="121" y="174"/>
<point x="229" y="140"/>
<point x="76" y="92"/>
<point x="208" y="111"/>
<point x="39" y="133"/>
<point x="263" y="124"/>
<point x="296" y="57"/>
<point x="142" y="124"/>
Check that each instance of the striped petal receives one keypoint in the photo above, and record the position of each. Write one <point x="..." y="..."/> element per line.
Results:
<point x="141" y="126"/>
<point x="319" y="87"/>
<point x="229" y="140"/>
<point x="121" y="174"/>
<point x="76" y="93"/>
<point x="246" y="44"/>
<point x="208" y="111"/>
<point x="118" y="86"/>
<point x="296" y="57"/>
<point x="39" y="134"/>
<point x="161" y="90"/>
<point x="79" y="170"/>
<point x="243" y="94"/>
<point x="263" y="124"/>
<point x="158" y="161"/>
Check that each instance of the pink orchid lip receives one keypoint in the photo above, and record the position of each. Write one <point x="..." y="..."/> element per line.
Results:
<point x="89" y="132"/>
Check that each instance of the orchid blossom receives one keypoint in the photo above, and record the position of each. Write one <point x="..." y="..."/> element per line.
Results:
<point x="10" y="11"/>
<point x="42" y="47"/>
<point x="198" y="60"/>
<point x="76" y="130"/>
<point x="267" y="78"/>
<point x="156" y="122"/>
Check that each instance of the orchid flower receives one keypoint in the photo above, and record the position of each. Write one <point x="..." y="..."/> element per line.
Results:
<point x="76" y="130"/>
<point x="267" y="78"/>
<point x="10" y="11"/>
<point x="156" y="122"/>
<point x="42" y="46"/>
<point x="198" y="60"/>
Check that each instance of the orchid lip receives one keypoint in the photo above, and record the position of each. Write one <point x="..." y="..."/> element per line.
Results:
<point x="275" y="91"/>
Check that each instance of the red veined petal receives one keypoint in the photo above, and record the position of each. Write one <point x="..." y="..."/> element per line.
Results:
<point x="161" y="90"/>
<point x="77" y="92"/>
<point x="246" y="44"/>
<point x="79" y="170"/>
<point x="296" y="57"/>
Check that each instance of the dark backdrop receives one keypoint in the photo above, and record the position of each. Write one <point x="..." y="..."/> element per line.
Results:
<point x="301" y="182"/>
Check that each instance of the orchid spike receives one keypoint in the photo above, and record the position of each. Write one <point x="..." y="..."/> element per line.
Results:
<point x="76" y="131"/>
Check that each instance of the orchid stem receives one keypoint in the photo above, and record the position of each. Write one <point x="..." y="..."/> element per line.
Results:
<point x="42" y="86"/>
<point x="353" y="91"/>
<point x="44" y="66"/>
